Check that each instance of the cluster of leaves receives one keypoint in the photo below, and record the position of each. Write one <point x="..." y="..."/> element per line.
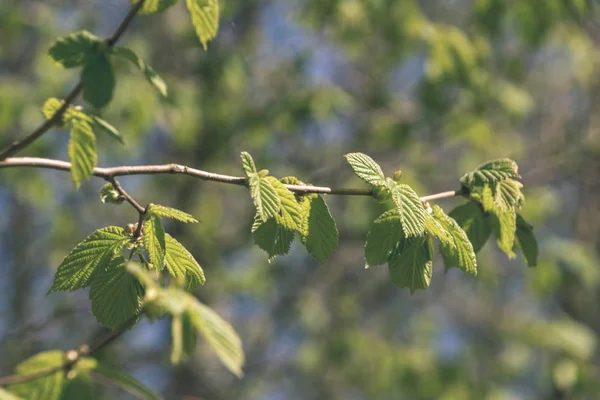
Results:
<point x="67" y="375"/>
<point x="280" y="215"/>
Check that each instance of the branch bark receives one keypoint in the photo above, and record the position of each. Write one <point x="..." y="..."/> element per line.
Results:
<point x="17" y="146"/>
<point x="109" y="174"/>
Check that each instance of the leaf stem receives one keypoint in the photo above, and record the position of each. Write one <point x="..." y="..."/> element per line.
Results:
<point x="17" y="146"/>
<point x="110" y="173"/>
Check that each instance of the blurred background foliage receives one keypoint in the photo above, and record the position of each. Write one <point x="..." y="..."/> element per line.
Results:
<point x="431" y="87"/>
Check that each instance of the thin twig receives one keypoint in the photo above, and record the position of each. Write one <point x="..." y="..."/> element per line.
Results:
<point x="110" y="173"/>
<point x="17" y="146"/>
<point x="126" y="195"/>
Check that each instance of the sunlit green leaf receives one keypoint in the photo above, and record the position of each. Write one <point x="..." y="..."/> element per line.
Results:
<point x="168" y="212"/>
<point x="154" y="241"/>
<point x="289" y="213"/>
<point x="248" y="164"/>
<point x="319" y="232"/>
<point x="182" y="265"/>
<point x="410" y="209"/>
<point x="474" y="222"/>
<point x="461" y="254"/>
<point x="71" y="50"/>
<point x="151" y="75"/>
<point x="384" y="236"/>
<point x="266" y="199"/>
<point x="411" y="263"/>
<point x="49" y="385"/>
<point x="108" y="129"/>
<point x="205" y="18"/>
<point x="366" y="168"/>
<point x="272" y="237"/>
<point x="154" y="6"/>
<point x="82" y="152"/>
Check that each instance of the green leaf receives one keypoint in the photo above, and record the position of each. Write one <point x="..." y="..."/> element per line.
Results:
<point x="116" y="295"/>
<point x="168" y="212"/>
<point x="438" y="231"/>
<point x="384" y="236"/>
<point x="94" y="253"/>
<point x="182" y="265"/>
<point x="183" y="337"/>
<point x="4" y="395"/>
<point x="526" y="241"/>
<point x="507" y="194"/>
<point x="154" y="6"/>
<point x="151" y="75"/>
<point x="126" y="382"/>
<point x="51" y="106"/>
<point x="491" y="172"/>
<point x="98" y="80"/>
<point x="108" y="129"/>
<point x="411" y="263"/>
<point x="108" y="194"/>
<point x="366" y="168"/>
<point x="290" y="180"/>
<point x="48" y="386"/>
<point x="266" y="198"/>
<point x="70" y="51"/>
<point x="505" y="226"/>
<point x="154" y="241"/>
<point x="319" y="233"/>
<point x="474" y="222"/>
<point x="411" y="211"/>
<point x="461" y="253"/>
<point x="220" y="336"/>
<point x="205" y="18"/>
<point x="272" y="237"/>
<point x="289" y="213"/>
<point x="78" y="384"/>
<point x="82" y="152"/>
<point x="248" y="164"/>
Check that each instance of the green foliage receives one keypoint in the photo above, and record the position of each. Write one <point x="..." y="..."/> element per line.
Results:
<point x="474" y="222"/>
<point x="266" y="198"/>
<point x="51" y="106"/>
<point x="108" y="129"/>
<point x="205" y="18"/>
<point x="366" y="168"/>
<point x="248" y="164"/>
<point x="154" y="242"/>
<point x="411" y="263"/>
<point x="72" y="50"/>
<point x="92" y="255"/>
<point x="181" y="265"/>
<point x="318" y="231"/>
<point x="289" y="215"/>
<point x="115" y="295"/>
<point x="526" y="241"/>
<point x="272" y="237"/>
<point x="410" y="209"/>
<point x="47" y="387"/>
<point x="168" y="212"/>
<point x="154" y="6"/>
<point x="383" y="238"/>
<point x="459" y="253"/>
<point x="82" y="151"/>
<point x="98" y="80"/>
<point x="217" y="332"/>
<point x="5" y="395"/>
<point x="126" y="382"/>
<point x="108" y="194"/>
<point x="183" y="337"/>
<point x="155" y="80"/>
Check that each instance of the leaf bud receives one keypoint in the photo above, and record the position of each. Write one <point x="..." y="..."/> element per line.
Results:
<point x="397" y="176"/>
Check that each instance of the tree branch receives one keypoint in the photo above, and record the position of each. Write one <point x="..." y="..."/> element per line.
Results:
<point x="126" y="195"/>
<point x="17" y="146"/>
<point x="110" y="173"/>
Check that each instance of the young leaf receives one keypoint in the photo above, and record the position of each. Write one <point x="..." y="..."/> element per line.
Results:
<point x="108" y="194"/>
<point x="526" y="241"/>
<point x="220" y="336"/>
<point x="411" y="263"/>
<point x="82" y="152"/>
<point x="98" y="80"/>
<point x="319" y="233"/>
<point x="366" y="168"/>
<point x="51" y="106"/>
<point x="80" y="385"/>
<point x="248" y="164"/>
<point x="437" y="230"/>
<point x="411" y="211"/>
<point x="116" y="295"/>
<point x="183" y="337"/>
<point x="474" y="222"/>
<point x="182" y="265"/>
<point x="46" y="387"/>
<point x="94" y="253"/>
<point x="461" y="254"/>
<point x="266" y="199"/>
<point x="507" y="194"/>
<point x="126" y="382"/>
<point x="154" y="242"/>
<point x="205" y="18"/>
<point x="168" y="212"/>
<point x="384" y="236"/>
<point x="151" y="75"/>
<point x="505" y="226"/>
<point x="70" y="51"/>
<point x="272" y="237"/>
<point x="154" y="6"/>
<point x="491" y="172"/>
<point x="108" y="129"/>
<point x="289" y="214"/>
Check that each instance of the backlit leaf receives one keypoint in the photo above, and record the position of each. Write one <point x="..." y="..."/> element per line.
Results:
<point x="461" y="254"/>
<point x="151" y="75"/>
<point x="205" y="18"/>
<point x="182" y="265"/>
<point x="154" y="241"/>
<point x="319" y="233"/>
<point x="366" y="168"/>
<point x="384" y="236"/>
<point x="411" y="263"/>
<point x="48" y="386"/>
<point x="168" y="212"/>
<point x="82" y="152"/>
